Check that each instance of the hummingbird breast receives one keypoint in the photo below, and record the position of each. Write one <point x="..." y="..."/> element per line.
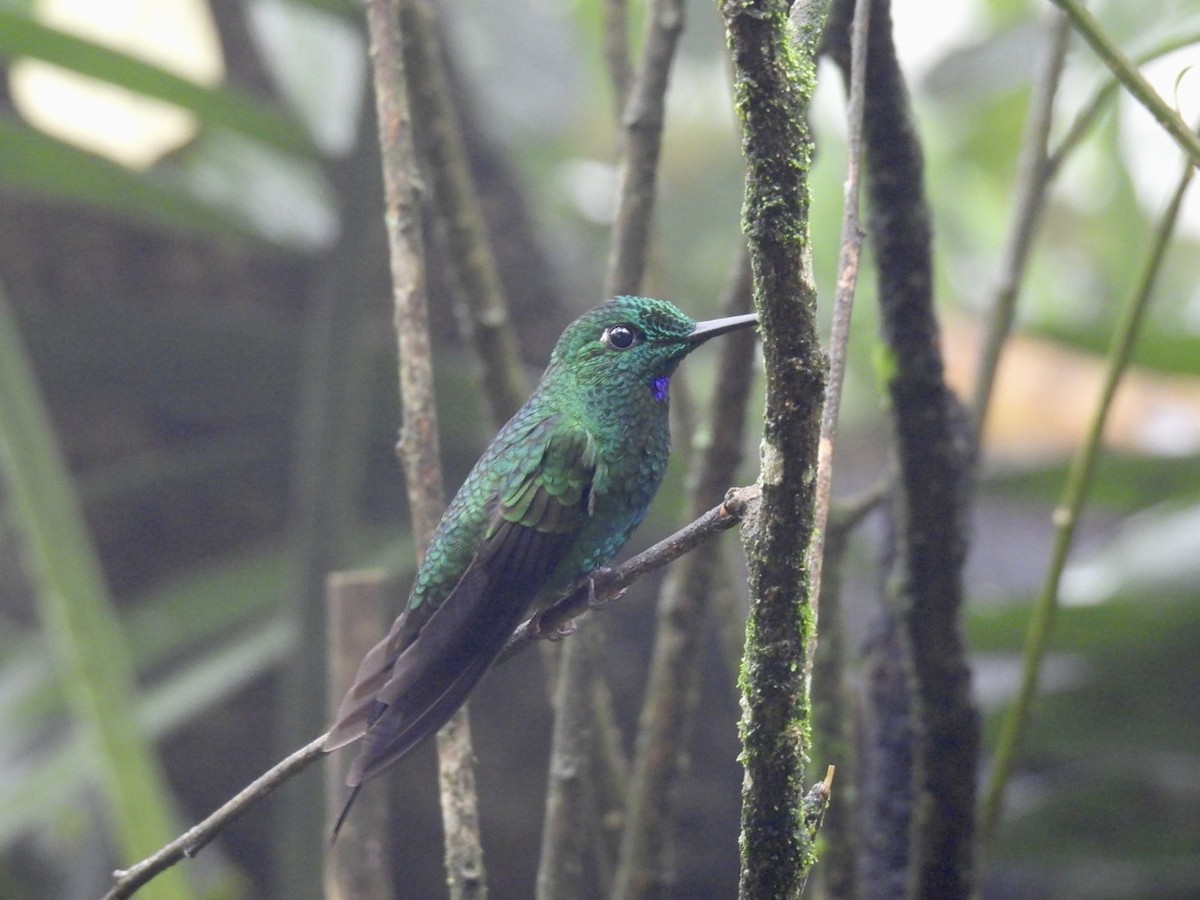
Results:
<point x="631" y="462"/>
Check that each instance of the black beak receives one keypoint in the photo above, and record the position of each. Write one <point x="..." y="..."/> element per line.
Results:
<point x="705" y="330"/>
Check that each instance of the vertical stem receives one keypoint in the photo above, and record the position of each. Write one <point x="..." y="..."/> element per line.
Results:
<point x="418" y="448"/>
<point x="469" y="260"/>
<point x="686" y="595"/>
<point x="641" y="142"/>
<point x="1067" y="515"/>
<point x="616" y="49"/>
<point x="570" y="794"/>
<point x="1033" y="178"/>
<point x="931" y="457"/>
<point x="774" y="71"/>
<point x="843" y="301"/>
<point x="356" y="866"/>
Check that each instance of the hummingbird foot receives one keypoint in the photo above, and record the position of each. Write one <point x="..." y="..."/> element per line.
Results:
<point x="600" y="574"/>
<point x="538" y="633"/>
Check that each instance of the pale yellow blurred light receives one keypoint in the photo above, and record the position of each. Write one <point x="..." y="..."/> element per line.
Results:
<point x="178" y="35"/>
<point x="1045" y="396"/>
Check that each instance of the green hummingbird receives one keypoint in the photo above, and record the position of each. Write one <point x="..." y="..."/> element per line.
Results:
<point x="554" y="497"/>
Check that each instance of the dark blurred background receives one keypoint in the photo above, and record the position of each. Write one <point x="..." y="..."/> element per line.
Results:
<point x="198" y="307"/>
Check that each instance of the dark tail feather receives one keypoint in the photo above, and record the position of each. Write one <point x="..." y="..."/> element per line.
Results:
<point x="337" y="826"/>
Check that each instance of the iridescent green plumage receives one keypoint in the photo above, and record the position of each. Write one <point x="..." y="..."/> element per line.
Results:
<point x="555" y="495"/>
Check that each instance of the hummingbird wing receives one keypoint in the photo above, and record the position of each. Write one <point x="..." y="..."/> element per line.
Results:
<point x="412" y="682"/>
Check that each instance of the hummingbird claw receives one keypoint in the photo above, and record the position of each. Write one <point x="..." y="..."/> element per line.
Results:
<point x="593" y="601"/>
<point x="538" y="633"/>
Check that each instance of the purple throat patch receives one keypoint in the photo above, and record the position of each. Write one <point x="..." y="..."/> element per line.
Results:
<point x="660" y="386"/>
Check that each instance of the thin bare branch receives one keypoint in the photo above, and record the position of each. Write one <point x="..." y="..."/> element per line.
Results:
<point x="570" y="793"/>
<point x="418" y="448"/>
<point x="616" y="49"/>
<point x="843" y="299"/>
<point x="192" y="841"/>
<point x="459" y="219"/>
<point x="1033" y="178"/>
<point x="740" y="504"/>
<point x="1066" y="515"/>
<point x="1127" y="73"/>
<point x="1090" y="111"/>
<point x="641" y="142"/>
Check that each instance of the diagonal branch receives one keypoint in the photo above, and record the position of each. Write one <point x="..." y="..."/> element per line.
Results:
<point x="1034" y="173"/>
<point x="1134" y="81"/>
<point x="740" y="504"/>
<point x="1067" y="514"/>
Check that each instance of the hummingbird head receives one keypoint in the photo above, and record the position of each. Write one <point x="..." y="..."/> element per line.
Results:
<point x="633" y="343"/>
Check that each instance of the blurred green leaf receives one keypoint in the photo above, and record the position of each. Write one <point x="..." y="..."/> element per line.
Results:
<point x="1111" y="772"/>
<point x="84" y="634"/>
<point x="21" y="35"/>
<point x="1125" y="483"/>
<point x="41" y="164"/>
<point x="1175" y="351"/>
<point x="53" y="779"/>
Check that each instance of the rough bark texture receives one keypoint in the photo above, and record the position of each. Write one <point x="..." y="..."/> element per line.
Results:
<point x="773" y="76"/>
<point x="932" y="452"/>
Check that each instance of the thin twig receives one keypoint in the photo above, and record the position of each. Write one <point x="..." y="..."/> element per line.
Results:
<point x="843" y="300"/>
<point x="641" y="143"/>
<point x="1127" y="73"/>
<point x="188" y="844"/>
<point x="740" y="504"/>
<point x="419" y="440"/>
<point x="1033" y="179"/>
<point x="355" y="866"/>
<point x="1066" y="516"/>
<point x="1090" y="111"/>
<point x="468" y="255"/>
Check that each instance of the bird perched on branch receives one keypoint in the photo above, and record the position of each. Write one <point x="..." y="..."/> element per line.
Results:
<point x="555" y="495"/>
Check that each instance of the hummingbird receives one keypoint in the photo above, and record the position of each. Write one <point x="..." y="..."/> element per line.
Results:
<point x="553" y="498"/>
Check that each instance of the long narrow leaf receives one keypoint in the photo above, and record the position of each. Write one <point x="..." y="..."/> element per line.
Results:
<point x="83" y="632"/>
<point x="53" y="781"/>
<point x="36" y="162"/>
<point x="22" y="36"/>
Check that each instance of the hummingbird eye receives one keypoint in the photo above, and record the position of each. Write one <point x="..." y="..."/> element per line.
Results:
<point x="621" y="337"/>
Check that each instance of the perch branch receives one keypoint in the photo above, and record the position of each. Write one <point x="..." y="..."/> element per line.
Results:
<point x="740" y="504"/>
<point x="192" y="841"/>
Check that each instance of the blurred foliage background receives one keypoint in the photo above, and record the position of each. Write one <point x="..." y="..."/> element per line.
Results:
<point x="194" y="291"/>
